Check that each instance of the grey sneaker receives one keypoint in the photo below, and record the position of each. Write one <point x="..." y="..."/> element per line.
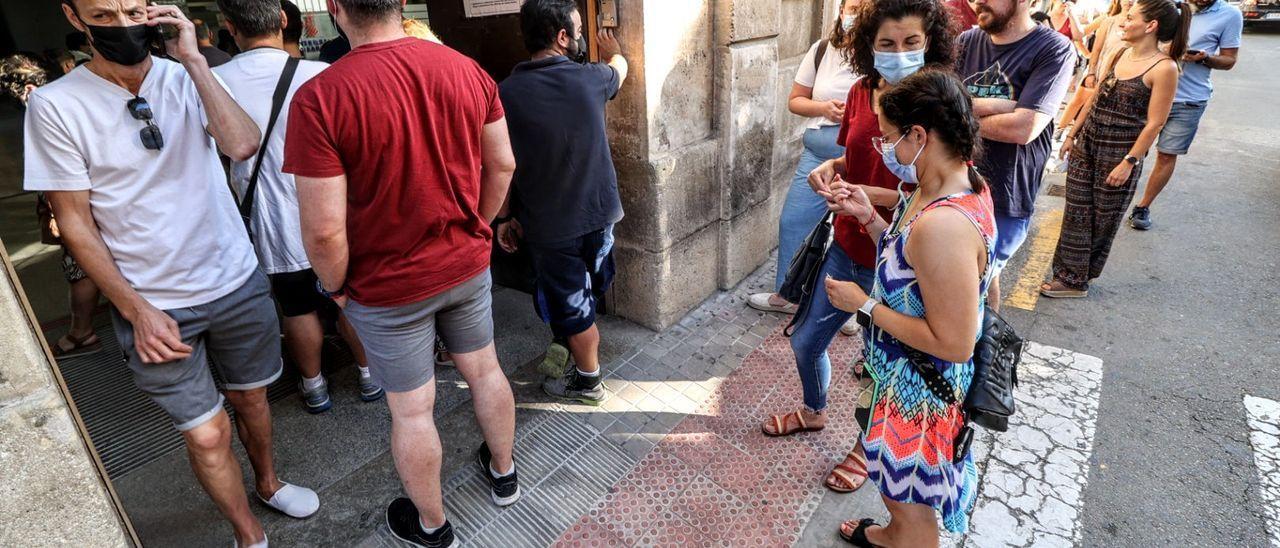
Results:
<point x="556" y="361"/>
<point x="316" y="401"/>
<point x="577" y="387"/>
<point x="368" y="390"/>
<point x="1140" y="219"/>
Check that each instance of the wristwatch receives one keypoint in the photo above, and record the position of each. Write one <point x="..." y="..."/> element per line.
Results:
<point x="864" y="313"/>
<point x="330" y="295"/>
<point x="1133" y="160"/>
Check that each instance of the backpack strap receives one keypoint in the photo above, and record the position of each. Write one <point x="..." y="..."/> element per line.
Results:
<point x="277" y="104"/>
<point x="822" y="52"/>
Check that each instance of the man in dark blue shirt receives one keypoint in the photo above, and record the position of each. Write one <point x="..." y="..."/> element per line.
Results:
<point x="1017" y="72"/>
<point x="564" y="195"/>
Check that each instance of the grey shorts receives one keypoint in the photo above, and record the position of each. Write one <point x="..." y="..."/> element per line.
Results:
<point x="400" y="340"/>
<point x="239" y="331"/>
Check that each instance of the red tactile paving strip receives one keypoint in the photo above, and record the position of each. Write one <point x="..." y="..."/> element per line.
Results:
<point x="716" y="480"/>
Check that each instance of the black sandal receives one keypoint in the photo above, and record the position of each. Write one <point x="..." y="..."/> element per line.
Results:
<point x="859" y="536"/>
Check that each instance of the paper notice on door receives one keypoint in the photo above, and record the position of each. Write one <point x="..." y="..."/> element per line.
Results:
<point x="484" y="8"/>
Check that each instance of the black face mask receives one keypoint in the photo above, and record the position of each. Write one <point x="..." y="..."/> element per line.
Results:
<point x="123" y="45"/>
<point x="578" y="50"/>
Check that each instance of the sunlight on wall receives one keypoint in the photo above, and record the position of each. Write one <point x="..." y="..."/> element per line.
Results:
<point x="670" y="28"/>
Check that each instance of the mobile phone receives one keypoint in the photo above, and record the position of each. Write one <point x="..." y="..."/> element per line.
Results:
<point x="1194" y="52"/>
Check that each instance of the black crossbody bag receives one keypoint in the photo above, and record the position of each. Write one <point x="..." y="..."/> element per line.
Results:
<point x="802" y="274"/>
<point x="277" y="104"/>
<point x="989" y="402"/>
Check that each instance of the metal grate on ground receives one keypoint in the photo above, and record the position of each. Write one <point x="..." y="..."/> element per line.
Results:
<point x="127" y="428"/>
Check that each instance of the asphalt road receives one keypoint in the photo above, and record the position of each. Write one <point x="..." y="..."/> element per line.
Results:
<point x="1185" y="320"/>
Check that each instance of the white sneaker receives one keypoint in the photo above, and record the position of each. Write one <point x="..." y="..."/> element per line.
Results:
<point x="761" y="301"/>
<point x="851" y="327"/>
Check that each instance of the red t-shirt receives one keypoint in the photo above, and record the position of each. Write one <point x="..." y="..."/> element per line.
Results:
<point x="403" y="121"/>
<point x="863" y="165"/>
<point x="962" y="15"/>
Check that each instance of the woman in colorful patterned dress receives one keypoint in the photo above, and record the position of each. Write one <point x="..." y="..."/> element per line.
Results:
<point x="931" y="279"/>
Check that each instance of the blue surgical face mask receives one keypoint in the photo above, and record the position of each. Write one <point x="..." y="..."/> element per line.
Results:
<point x="846" y="22"/>
<point x="894" y="66"/>
<point x="905" y="173"/>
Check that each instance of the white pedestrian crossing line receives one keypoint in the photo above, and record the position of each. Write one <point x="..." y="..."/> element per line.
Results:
<point x="1263" y="416"/>
<point x="1033" y="476"/>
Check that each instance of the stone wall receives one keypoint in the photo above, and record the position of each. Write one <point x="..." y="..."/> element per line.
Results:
<point x="50" y="491"/>
<point x="704" y="145"/>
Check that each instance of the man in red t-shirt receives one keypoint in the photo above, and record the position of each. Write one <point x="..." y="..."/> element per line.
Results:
<point x="402" y="160"/>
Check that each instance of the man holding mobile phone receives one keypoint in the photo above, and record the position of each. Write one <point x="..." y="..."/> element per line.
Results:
<point x="1214" y="42"/>
<point x="126" y="148"/>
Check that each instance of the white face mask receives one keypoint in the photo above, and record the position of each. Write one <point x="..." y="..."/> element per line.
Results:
<point x="847" y="21"/>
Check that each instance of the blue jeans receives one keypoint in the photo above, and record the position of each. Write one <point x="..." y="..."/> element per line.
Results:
<point x="804" y="208"/>
<point x="1011" y="232"/>
<point x="821" y="323"/>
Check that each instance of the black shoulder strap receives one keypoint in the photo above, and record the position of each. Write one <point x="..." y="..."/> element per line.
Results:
<point x="277" y="104"/>
<point x="822" y="52"/>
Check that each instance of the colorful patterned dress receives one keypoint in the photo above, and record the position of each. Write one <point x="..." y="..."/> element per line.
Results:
<point x="909" y="441"/>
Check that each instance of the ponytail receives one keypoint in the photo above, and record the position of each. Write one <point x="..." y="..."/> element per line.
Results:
<point x="1178" y="44"/>
<point x="1173" y="22"/>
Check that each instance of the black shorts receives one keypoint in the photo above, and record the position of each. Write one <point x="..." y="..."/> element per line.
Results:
<point x="296" y="292"/>
<point x="572" y="278"/>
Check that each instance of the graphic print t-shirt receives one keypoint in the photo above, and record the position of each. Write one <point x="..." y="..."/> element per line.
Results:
<point x="1035" y="72"/>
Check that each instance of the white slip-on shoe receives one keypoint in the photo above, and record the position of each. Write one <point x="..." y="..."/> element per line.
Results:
<point x="761" y="301"/>
<point x="293" y="501"/>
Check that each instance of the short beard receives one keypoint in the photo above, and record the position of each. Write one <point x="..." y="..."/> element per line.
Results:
<point x="998" y="23"/>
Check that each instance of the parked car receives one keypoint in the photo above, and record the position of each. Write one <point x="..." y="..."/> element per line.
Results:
<point x="1260" y="12"/>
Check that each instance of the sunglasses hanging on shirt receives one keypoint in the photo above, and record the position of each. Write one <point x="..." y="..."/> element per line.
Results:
<point x="151" y="137"/>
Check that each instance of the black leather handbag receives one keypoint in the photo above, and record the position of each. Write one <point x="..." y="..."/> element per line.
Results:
<point x="802" y="274"/>
<point x="989" y="402"/>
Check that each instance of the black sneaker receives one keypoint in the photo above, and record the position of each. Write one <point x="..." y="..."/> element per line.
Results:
<point x="506" y="489"/>
<point x="577" y="387"/>
<point x="402" y="519"/>
<point x="1140" y="219"/>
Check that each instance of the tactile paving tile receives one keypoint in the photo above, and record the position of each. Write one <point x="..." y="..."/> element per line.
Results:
<point x="588" y="533"/>
<point x="716" y="479"/>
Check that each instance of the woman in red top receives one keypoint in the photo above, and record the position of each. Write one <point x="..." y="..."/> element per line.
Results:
<point x="892" y="39"/>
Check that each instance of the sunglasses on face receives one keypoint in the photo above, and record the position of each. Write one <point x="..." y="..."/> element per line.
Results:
<point x="151" y="137"/>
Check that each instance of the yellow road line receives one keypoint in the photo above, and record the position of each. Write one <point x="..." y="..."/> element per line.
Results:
<point x="1039" y="260"/>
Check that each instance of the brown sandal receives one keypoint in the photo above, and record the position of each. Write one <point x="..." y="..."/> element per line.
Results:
<point x="846" y="477"/>
<point x="780" y="422"/>
<point x="71" y="346"/>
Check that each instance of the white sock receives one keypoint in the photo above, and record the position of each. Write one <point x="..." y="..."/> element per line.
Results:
<point x="312" y="384"/>
<point x="595" y="373"/>
<point x="364" y="371"/>
<point x="494" y="471"/>
<point x="261" y="544"/>
<point x="428" y="530"/>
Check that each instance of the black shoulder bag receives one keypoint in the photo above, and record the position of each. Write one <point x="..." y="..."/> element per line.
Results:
<point x="277" y="104"/>
<point x="802" y="274"/>
<point x="989" y="402"/>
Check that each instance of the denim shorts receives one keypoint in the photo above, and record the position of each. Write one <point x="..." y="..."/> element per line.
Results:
<point x="1180" y="129"/>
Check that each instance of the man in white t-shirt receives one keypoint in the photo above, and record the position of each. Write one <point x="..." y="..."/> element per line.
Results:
<point x="252" y="76"/>
<point x="126" y="148"/>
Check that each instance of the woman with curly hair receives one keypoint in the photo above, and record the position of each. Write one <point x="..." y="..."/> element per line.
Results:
<point x="891" y="40"/>
<point x="19" y="76"/>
